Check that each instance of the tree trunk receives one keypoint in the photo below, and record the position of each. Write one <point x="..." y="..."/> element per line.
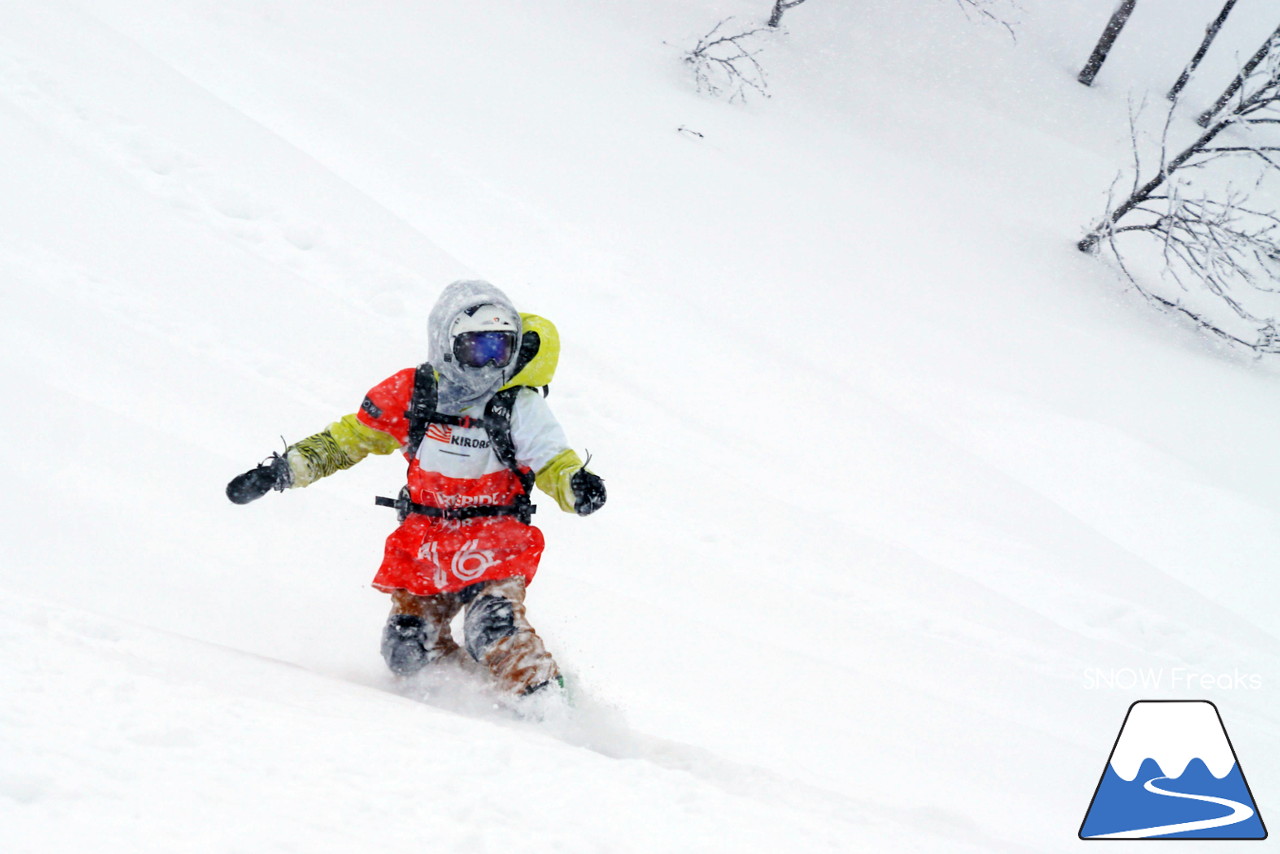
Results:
<point x="1099" y="55"/>
<point x="1207" y="115"/>
<point x="780" y="6"/>
<point x="1210" y="34"/>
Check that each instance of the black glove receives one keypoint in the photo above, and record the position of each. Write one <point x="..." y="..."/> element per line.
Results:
<point x="588" y="492"/>
<point x="252" y="485"/>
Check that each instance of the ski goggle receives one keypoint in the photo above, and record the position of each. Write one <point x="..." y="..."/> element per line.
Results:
<point x="477" y="349"/>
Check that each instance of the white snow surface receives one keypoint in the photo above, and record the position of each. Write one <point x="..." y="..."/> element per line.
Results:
<point x="899" y="480"/>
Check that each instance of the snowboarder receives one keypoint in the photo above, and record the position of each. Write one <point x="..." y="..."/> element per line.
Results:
<point x="478" y="435"/>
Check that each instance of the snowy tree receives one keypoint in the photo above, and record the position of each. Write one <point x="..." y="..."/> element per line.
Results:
<point x="1225" y="239"/>
<point x="725" y="63"/>
<point x="725" y="60"/>
<point x="1269" y="47"/>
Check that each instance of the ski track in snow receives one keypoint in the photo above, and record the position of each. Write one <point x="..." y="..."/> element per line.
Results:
<point x="602" y="729"/>
<point x="120" y="693"/>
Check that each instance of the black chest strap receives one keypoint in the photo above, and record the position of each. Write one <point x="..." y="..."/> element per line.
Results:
<point x="497" y="423"/>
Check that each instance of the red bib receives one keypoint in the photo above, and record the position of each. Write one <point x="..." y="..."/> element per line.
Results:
<point x="456" y="467"/>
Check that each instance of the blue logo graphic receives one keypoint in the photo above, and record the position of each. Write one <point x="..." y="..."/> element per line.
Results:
<point x="1173" y="774"/>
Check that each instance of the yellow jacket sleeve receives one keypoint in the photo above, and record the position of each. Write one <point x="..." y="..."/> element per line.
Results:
<point x="554" y="478"/>
<point x="339" y="446"/>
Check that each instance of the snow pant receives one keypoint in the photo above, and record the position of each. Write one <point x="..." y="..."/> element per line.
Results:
<point x="496" y="632"/>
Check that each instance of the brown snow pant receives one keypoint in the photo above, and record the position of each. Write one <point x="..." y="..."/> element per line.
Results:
<point x="496" y="631"/>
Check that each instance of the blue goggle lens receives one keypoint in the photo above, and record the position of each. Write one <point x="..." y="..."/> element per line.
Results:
<point x="477" y="349"/>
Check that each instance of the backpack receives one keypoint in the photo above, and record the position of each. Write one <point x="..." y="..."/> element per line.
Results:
<point x="535" y="366"/>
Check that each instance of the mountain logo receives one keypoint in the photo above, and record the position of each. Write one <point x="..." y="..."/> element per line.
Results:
<point x="1172" y="774"/>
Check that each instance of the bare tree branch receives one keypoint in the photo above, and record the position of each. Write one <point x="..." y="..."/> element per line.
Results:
<point x="727" y="64"/>
<point x="982" y="8"/>
<point x="1225" y="242"/>
<point x="1239" y="81"/>
<point x="1266" y="97"/>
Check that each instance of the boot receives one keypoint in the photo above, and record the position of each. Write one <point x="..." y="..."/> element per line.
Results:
<point x="402" y="644"/>
<point x="499" y="636"/>
<point x="417" y="631"/>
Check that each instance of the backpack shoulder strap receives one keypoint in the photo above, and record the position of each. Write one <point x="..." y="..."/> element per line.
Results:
<point x="422" y="412"/>
<point x="497" y="422"/>
<point x="422" y="406"/>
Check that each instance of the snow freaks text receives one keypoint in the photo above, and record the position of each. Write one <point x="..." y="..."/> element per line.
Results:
<point x="1169" y="679"/>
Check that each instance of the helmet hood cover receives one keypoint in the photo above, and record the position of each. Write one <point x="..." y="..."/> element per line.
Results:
<point x="455" y="311"/>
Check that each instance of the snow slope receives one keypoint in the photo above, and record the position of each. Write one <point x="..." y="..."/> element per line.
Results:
<point x="895" y="473"/>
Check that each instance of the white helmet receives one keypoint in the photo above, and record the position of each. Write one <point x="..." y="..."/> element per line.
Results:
<point x="486" y="317"/>
<point x="485" y="334"/>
